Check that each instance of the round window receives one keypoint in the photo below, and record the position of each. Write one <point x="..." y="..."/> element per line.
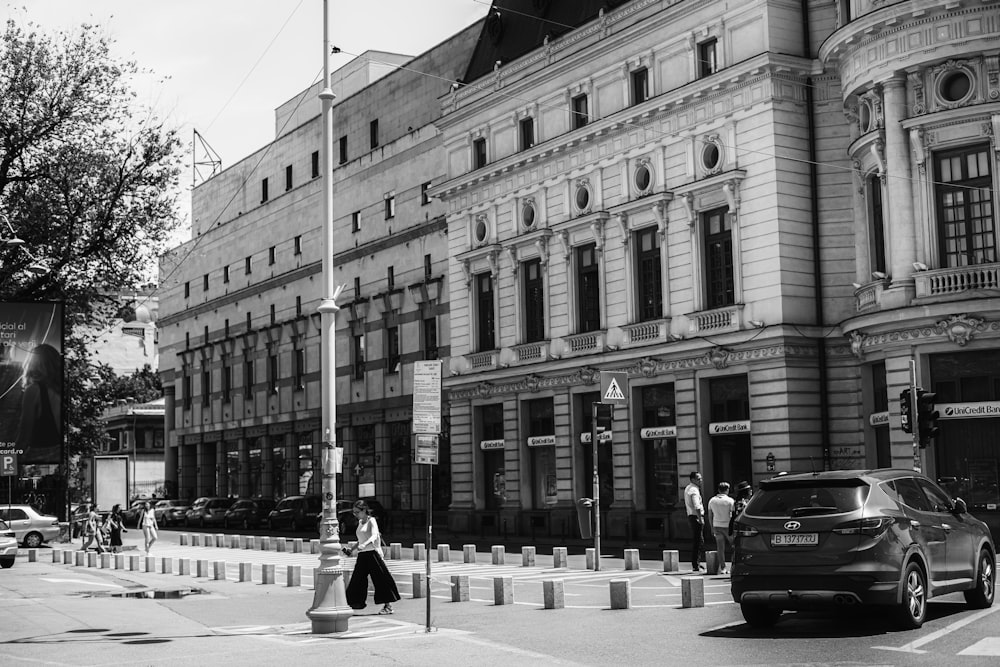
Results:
<point x="528" y="215"/>
<point x="710" y="156"/>
<point x="582" y="198"/>
<point x="643" y="178"/>
<point x="482" y="230"/>
<point x="955" y="86"/>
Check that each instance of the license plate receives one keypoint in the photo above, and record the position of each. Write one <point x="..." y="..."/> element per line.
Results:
<point x="795" y="539"/>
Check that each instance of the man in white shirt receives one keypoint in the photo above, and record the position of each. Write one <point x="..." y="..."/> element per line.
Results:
<point x="696" y="518"/>
<point x="720" y="511"/>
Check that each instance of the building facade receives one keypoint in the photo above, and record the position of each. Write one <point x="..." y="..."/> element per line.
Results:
<point x="762" y="213"/>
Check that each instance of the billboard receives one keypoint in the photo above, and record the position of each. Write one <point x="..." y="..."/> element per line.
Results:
<point x="31" y="381"/>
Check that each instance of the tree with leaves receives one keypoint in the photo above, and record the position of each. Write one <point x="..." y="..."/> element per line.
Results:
<point x="88" y="180"/>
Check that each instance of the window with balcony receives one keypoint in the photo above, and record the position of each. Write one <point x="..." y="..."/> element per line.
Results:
<point x="358" y="356"/>
<point x="526" y="131"/>
<point x="876" y="223"/>
<point x="639" y="80"/>
<point x="534" y="301"/>
<point x="392" y="350"/>
<point x="479" y="153"/>
<point x="720" y="281"/>
<point x="485" y="334"/>
<point x="707" y="59"/>
<point x="588" y="289"/>
<point x="580" y="113"/>
<point x="649" y="282"/>
<point x="966" y="223"/>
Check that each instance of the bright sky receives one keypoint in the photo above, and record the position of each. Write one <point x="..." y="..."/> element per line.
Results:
<point x="230" y="63"/>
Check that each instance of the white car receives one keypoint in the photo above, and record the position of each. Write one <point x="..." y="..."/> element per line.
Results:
<point x="30" y="528"/>
<point x="8" y="545"/>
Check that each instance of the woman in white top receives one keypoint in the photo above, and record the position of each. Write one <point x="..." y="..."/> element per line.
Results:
<point x="369" y="563"/>
<point x="149" y="526"/>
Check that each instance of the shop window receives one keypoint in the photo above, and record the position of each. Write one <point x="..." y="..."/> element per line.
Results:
<point x="658" y="406"/>
<point x="401" y="472"/>
<point x="490" y="422"/>
<point x="541" y="422"/>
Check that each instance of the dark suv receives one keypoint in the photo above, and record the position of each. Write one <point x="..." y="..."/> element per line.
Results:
<point x="854" y="537"/>
<point x="296" y="513"/>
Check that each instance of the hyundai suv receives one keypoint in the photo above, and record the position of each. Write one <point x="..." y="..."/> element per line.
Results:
<point x="843" y="538"/>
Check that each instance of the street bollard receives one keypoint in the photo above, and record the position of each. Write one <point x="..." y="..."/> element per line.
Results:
<point x="105" y="560"/>
<point x="553" y="594"/>
<point x="503" y="590"/>
<point x="297" y="545"/>
<point x="395" y="550"/>
<point x="243" y="541"/>
<point x="246" y="572"/>
<point x="184" y="539"/>
<point x="196" y="539"/>
<point x="591" y="559"/>
<point x="133" y="563"/>
<point x="220" y="539"/>
<point x="444" y="553"/>
<point x="57" y="555"/>
<point x="671" y="560"/>
<point x="251" y="541"/>
<point x="314" y="546"/>
<point x="468" y="553"/>
<point x="32" y="555"/>
<point x="68" y="557"/>
<point x="219" y="570"/>
<point x="91" y="559"/>
<point x="267" y="573"/>
<point x="692" y="592"/>
<point x="293" y="575"/>
<point x="202" y="569"/>
<point x="499" y="554"/>
<point x="711" y="562"/>
<point x="150" y="564"/>
<point x="419" y="585"/>
<point x="459" y="588"/>
<point x="527" y="556"/>
<point x="234" y="541"/>
<point x="621" y="593"/>
<point x="79" y="558"/>
<point x="419" y="551"/>
<point x="184" y="566"/>
<point x="265" y="543"/>
<point x="166" y="565"/>
<point x="560" y="557"/>
<point x="281" y="545"/>
<point x="119" y="561"/>
<point x="631" y="559"/>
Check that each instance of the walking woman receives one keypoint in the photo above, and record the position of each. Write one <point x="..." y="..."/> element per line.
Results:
<point x="147" y="521"/>
<point x="91" y="530"/>
<point x="369" y="563"/>
<point x="115" y="525"/>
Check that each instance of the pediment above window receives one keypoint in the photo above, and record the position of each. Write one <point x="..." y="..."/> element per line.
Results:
<point x="709" y="192"/>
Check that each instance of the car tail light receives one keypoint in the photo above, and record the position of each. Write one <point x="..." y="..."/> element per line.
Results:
<point x="872" y="527"/>
<point x="743" y="530"/>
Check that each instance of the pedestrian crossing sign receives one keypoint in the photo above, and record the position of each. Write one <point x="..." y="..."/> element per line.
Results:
<point x="614" y="386"/>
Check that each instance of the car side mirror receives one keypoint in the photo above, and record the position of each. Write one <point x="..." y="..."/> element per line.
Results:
<point x="959" y="507"/>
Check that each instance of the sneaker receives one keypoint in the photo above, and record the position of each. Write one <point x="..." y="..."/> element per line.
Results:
<point x="386" y="610"/>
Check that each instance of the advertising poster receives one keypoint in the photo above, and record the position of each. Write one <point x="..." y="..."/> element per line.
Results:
<point x="31" y="381"/>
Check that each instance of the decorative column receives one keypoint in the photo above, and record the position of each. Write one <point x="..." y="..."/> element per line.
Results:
<point x="899" y="204"/>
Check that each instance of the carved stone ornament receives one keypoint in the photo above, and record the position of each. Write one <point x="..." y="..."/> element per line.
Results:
<point x="532" y="382"/>
<point x="719" y="357"/>
<point x="647" y="366"/>
<point x="484" y="389"/>
<point x="858" y="345"/>
<point x="589" y="375"/>
<point x="960" y="328"/>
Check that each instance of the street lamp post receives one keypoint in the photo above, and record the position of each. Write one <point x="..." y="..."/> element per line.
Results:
<point x="329" y="611"/>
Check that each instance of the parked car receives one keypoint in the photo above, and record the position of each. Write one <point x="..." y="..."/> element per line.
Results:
<point x="248" y="512"/>
<point x="349" y="523"/>
<point x="8" y="545"/>
<point x="211" y="512"/>
<point x="172" y="511"/>
<point x="295" y="512"/>
<point x="842" y="539"/>
<point x="30" y="528"/>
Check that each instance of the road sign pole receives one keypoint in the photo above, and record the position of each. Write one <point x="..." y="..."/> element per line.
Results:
<point x="597" y="490"/>
<point x="914" y="417"/>
<point x="427" y="551"/>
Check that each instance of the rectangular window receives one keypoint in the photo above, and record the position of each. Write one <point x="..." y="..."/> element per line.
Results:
<point x="248" y="377"/>
<point x="392" y="350"/>
<point x="541" y="422"/>
<point x="227" y="381"/>
<point x="206" y="388"/>
<point x="288" y="178"/>
<point x="648" y="275"/>
<point x="428" y="266"/>
<point x="273" y="314"/>
<point x="390" y="205"/>
<point x="270" y="256"/>
<point x="187" y="391"/>
<point x="249" y="322"/>
<point x="719" y="273"/>
<point x="358" y="356"/>
<point x="247" y="266"/>
<point x="298" y="306"/>
<point x="263" y="191"/>
<point x="225" y="274"/>
<point x="640" y="85"/>
<point x="204" y="283"/>
<point x="356" y="222"/>
<point x="298" y="245"/>
<point x="424" y="197"/>
<point x="534" y="301"/>
<point x="272" y="372"/>
<point x="876" y="223"/>
<point x="658" y="409"/>
<point x="343" y="150"/>
<point x="526" y="130"/>
<point x="187" y="340"/>
<point x="187" y="290"/>
<point x="479" y="153"/>
<point x="588" y="289"/>
<point x="225" y="328"/>
<point x="963" y="196"/>
<point x="580" y="114"/>
<point x="430" y="338"/>
<point x="373" y="133"/>
<point x="300" y="368"/>
<point x="357" y="287"/>
<point x="486" y="336"/>
<point x="314" y="159"/>
<point x="390" y="277"/>
<point x="707" y="62"/>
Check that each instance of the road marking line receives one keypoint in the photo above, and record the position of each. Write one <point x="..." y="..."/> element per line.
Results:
<point x="914" y="646"/>
<point x="986" y="646"/>
<point x="80" y="581"/>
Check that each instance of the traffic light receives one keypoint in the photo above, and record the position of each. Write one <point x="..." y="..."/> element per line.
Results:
<point x="927" y="417"/>
<point x="904" y="411"/>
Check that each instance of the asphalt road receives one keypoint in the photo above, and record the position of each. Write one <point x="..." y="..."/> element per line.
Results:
<point x="60" y="614"/>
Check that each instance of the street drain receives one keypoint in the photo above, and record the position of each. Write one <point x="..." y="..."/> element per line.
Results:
<point x="148" y="593"/>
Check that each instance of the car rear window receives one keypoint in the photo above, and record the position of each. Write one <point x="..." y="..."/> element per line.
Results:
<point x="807" y="500"/>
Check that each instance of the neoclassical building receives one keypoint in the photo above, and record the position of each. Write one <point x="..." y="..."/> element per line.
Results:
<point x="764" y="214"/>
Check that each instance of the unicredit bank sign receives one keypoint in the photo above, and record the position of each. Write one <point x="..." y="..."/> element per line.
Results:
<point x="969" y="410"/>
<point x="657" y="432"/>
<point x="729" y="428"/>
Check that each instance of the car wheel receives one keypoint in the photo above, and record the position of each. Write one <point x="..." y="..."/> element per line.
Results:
<point x="913" y="610"/>
<point x="758" y="615"/>
<point x="32" y="540"/>
<point x="981" y="596"/>
<point x="7" y="562"/>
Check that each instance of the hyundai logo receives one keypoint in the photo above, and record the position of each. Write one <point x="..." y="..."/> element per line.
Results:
<point x="792" y="525"/>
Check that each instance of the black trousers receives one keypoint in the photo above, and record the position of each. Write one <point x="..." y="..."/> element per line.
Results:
<point x="697" y="540"/>
<point x="370" y="564"/>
